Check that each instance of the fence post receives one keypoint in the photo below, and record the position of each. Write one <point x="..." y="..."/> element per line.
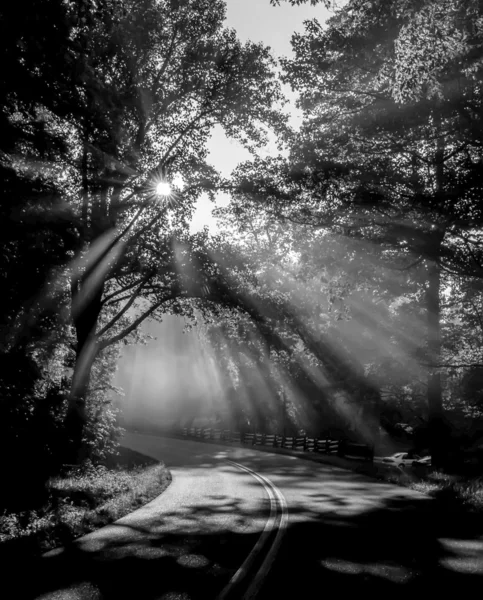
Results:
<point x="341" y="449"/>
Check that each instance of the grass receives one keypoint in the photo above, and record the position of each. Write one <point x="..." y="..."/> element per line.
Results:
<point x="465" y="493"/>
<point x="458" y="492"/>
<point x="83" y="500"/>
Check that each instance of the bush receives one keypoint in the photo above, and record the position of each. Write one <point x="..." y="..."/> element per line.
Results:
<point x="82" y="500"/>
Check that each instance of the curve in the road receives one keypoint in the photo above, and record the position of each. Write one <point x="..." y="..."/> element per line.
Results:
<point x="278" y="520"/>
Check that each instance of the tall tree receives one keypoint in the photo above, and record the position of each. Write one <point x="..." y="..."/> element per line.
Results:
<point x="36" y="236"/>
<point x="389" y="151"/>
<point x="146" y="82"/>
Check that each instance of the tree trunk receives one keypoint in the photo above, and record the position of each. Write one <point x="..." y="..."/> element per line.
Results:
<point x="85" y="316"/>
<point x="76" y="417"/>
<point x="437" y="431"/>
<point x="437" y="435"/>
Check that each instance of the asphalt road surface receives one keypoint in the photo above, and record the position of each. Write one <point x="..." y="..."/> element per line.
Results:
<point x="240" y="523"/>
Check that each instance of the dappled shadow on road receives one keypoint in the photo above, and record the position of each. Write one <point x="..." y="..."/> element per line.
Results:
<point x="355" y="535"/>
<point x="142" y="563"/>
<point x="347" y="534"/>
<point x="400" y="547"/>
<point x="192" y="565"/>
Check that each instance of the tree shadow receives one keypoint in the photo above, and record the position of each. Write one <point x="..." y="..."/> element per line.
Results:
<point x="346" y="534"/>
<point x="401" y="548"/>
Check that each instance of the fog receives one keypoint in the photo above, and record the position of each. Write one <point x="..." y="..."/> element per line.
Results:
<point x="172" y="379"/>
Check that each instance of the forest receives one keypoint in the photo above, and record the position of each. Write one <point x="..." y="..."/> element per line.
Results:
<point x="343" y="288"/>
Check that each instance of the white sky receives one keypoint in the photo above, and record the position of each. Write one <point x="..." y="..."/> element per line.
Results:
<point x="258" y="21"/>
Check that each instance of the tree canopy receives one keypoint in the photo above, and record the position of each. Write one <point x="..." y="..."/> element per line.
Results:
<point x="387" y="159"/>
<point x="344" y="282"/>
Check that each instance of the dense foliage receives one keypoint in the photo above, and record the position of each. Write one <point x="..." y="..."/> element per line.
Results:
<point x="379" y="199"/>
<point x="101" y="102"/>
<point x="344" y="285"/>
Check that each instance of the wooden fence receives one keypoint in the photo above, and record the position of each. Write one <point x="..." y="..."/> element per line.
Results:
<point x="323" y="445"/>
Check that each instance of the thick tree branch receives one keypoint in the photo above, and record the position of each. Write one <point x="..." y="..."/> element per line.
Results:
<point x="184" y="131"/>
<point x="116" y="338"/>
<point x="165" y="64"/>
<point x="406" y="268"/>
<point x="107" y="298"/>
<point x="126" y="307"/>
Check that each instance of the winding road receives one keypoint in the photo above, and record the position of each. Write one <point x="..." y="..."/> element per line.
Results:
<point x="240" y="523"/>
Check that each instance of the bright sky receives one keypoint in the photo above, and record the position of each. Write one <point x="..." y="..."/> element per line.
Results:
<point x="258" y="21"/>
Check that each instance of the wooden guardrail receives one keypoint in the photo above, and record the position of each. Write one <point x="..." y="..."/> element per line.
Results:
<point x="323" y="445"/>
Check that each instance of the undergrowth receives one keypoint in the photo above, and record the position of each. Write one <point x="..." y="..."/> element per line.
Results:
<point x="465" y="493"/>
<point x="81" y="501"/>
<point x="458" y="492"/>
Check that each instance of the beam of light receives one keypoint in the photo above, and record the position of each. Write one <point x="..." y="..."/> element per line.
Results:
<point x="260" y="386"/>
<point x="368" y="324"/>
<point x="97" y="277"/>
<point x="100" y="252"/>
<point x="170" y="380"/>
<point x="268" y="376"/>
<point x="280" y="393"/>
<point x="367" y="319"/>
<point x="52" y="293"/>
<point x="338" y="400"/>
<point x="294" y="397"/>
<point x="352" y="334"/>
<point x="259" y="368"/>
<point x="191" y="282"/>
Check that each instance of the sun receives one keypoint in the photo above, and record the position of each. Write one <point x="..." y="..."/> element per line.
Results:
<point x="163" y="188"/>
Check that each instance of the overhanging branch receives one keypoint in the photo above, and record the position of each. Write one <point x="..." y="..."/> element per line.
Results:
<point x="116" y="338"/>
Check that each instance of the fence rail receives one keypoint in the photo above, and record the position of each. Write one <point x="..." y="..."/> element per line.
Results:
<point x="325" y="445"/>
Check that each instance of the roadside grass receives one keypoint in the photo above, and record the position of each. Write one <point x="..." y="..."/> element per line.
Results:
<point x="461" y="492"/>
<point x="84" y="499"/>
<point x="457" y="492"/>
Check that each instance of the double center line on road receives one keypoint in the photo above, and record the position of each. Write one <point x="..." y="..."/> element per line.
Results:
<point x="277" y="520"/>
